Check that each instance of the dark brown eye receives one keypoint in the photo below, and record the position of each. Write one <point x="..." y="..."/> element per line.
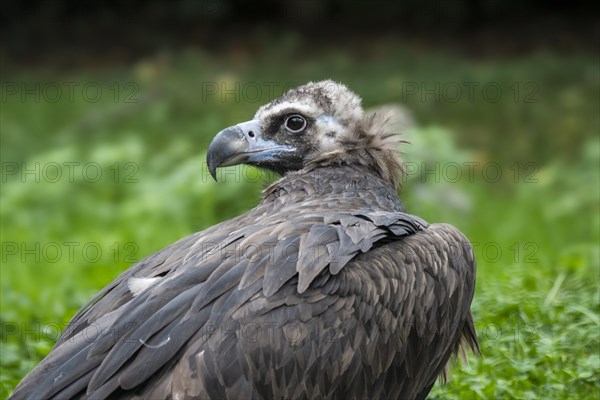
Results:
<point x="295" y="123"/>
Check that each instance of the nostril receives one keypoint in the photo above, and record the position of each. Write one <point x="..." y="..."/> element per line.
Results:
<point x="251" y="134"/>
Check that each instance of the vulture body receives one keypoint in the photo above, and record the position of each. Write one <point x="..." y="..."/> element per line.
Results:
<point x="326" y="289"/>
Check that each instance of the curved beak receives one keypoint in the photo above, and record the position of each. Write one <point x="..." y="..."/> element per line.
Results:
<point x="242" y="144"/>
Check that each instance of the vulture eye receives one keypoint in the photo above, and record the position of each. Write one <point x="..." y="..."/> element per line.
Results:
<point x="295" y="123"/>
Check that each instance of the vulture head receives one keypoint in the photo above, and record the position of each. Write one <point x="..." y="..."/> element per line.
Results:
<point x="314" y="125"/>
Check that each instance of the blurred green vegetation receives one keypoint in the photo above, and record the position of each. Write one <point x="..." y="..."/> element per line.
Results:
<point x="133" y="181"/>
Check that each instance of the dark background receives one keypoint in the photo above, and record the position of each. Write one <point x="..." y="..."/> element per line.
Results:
<point x="68" y="33"/>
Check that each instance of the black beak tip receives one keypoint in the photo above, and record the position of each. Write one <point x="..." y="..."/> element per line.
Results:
<point x="213" y="172"/>
<point x="217" y="153"/>
<point x="227" y="148"/>
<point x="212" y="165"/>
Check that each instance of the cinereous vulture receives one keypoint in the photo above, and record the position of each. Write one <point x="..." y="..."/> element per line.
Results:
<point x="327" y="289"/>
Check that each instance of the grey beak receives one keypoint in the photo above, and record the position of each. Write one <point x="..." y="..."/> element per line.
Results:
<point x="240" y="144"/>
<point x="231" y="145"/>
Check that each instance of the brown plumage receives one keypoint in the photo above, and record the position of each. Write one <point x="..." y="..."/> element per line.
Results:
<point x="326" y="289"/>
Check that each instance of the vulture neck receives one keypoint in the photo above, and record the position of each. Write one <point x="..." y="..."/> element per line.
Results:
<point x="335" y="187"/>
<point x="369" y="145"/>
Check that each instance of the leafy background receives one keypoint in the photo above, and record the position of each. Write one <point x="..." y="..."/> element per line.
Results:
<point x="535" y="227"/>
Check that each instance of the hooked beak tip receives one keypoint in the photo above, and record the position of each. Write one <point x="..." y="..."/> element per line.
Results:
<point x="225" y="146"/>
<point x="213" y="173"/>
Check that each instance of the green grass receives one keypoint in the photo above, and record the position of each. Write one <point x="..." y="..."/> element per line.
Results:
<point x="535" y="230"/>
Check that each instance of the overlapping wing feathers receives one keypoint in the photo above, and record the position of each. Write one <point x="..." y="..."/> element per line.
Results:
<point x="119" y="341"/>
